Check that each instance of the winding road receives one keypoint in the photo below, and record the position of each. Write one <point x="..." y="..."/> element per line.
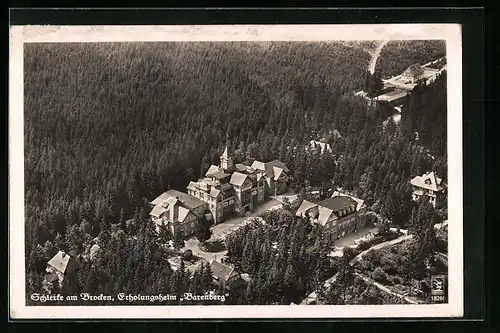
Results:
<point x="313" y="297"/>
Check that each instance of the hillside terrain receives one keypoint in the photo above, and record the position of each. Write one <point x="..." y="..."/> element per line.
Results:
<point x="109" y="126"/>
<point x="396" y="56"/>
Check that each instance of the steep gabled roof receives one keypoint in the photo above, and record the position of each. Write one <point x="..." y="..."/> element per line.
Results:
<point x="258" y="165"/>
<point x="270" y="168"/>
<point x="278" y="164"/>
<point x="183" y="214"/>
<point x="277" y="172"/>
<point x="214" y="192"/>
<point x="259" y="176"/>
<point x="325" y="214"/>
<point x="336" y="134"/>
<point x="187" y="200"/>
<point x="212" y="170"/>
<point x="157" y="211"/>
<point x="414" y="70"/>
<point x="428" y="181"/>
<point x="170" y="202"/>
<point x="60" y="261"/>
<point x="304" y="206"/>
<point x="191" y="186"/>
<point x="238" y="178"/>
<point x="221" y="271"/>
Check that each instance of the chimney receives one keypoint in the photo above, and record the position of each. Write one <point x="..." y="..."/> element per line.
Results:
<point x="176" y="213"/>
<point x="63" y="254"/>
<point x="171" y="213"/>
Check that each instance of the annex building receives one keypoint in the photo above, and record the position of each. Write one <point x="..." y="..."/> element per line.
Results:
<point x="341" y="214"/>
<point x="178" y="211"/>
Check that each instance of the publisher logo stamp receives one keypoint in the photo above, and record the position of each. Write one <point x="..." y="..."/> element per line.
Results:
<point x="438" y="289"/>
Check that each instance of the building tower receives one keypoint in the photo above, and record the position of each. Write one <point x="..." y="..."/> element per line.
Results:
<point x="226" y="160"/>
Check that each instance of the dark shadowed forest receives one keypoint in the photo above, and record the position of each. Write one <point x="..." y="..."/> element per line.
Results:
<point x="397" y="55"/>
<point x="109" y="126"/>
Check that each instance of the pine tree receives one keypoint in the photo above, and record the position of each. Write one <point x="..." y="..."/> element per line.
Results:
<point x="178" y="240"/>
<point x="207" y="278"/>
<point x="203" y="232"/>
<point x="104" y="232"/>
<point x="74" y="240"/>
<point x="164" y="234"/>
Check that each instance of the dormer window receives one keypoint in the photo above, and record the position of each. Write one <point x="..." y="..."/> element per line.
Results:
<point x="428" y="181"/>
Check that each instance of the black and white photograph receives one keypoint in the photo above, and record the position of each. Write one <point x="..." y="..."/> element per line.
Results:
<point x="187" y="171"/>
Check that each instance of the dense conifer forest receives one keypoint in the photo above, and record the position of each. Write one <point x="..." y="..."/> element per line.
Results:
<point x="109" y="126"/>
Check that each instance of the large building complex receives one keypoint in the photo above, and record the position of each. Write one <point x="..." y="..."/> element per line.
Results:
<point x="227" y="190"/>
<point x="233" y="189"/>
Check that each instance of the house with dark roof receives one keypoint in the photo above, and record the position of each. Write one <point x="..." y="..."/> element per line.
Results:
<point x="223" y="274"/>
<point x="275" y="176"/>
<point x="341" y="214"/>
<point x="413" y="73"/>
<point x="177" y="211"/>
<point x="428" y="185"/>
